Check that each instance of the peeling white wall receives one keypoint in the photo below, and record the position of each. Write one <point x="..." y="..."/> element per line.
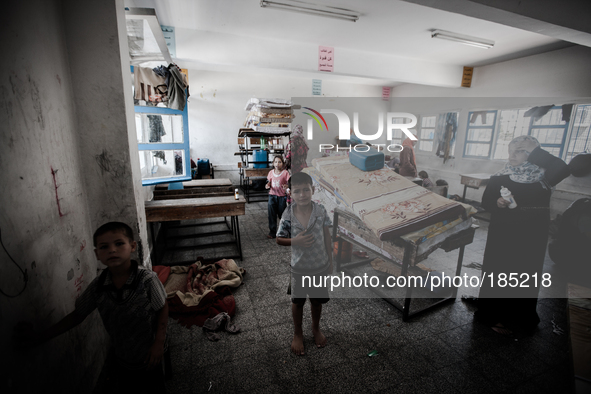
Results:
<point x="105" y="115"/>
<point x="555" y="77"/>
<point x="65" y="159"/>
<point x="216" y="109"/>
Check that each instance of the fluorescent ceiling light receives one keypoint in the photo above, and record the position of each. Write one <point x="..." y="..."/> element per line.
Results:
<point x="468" y="40"/>
<point x="312" y="9"/>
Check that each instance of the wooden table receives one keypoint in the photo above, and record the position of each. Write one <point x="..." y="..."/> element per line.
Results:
<point x="162" y="211"/>
<point x="200" y="183"/>
<point x="194" y="192"/>
<point x="473" y="181"/>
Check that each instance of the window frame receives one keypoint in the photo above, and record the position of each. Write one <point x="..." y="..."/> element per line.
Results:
<point x="565" y="127"/>
<point x="490" y="143"/>
<point x="395" y="140"/>
<point x="420" y="130"/>
<point x="140" y="109"/>
<point x="570" y="149"/>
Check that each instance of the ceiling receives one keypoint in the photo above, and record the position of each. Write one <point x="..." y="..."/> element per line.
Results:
<point x="390" y="44"/>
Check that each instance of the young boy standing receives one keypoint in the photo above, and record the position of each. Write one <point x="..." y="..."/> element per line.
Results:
<point x="132" y="304"/>
<point x="304" y="227"/>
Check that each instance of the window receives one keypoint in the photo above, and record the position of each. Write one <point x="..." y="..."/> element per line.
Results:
<point x="163" y="143"/>
<point x="479" y="135"/>
<point x="427" y="133"/>
<point x="548" y="127"/>
<point x="397" y="135"/>
<point x="512" y="123"/>
<point x="580" y="139"/>
<point x="550" y="130"/>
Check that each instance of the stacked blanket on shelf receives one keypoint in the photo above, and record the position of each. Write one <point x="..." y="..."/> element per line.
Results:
<point x="388" y="204"/>
<point x="269" y="115"/>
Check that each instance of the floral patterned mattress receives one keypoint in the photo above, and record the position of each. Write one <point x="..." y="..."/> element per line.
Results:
<point x="388" y="204"/>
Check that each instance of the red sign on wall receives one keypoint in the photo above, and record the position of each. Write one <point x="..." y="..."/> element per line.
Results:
<point x="325" y="59"/>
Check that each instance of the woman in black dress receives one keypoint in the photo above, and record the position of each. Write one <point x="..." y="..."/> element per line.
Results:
<point x="516" y="242"/>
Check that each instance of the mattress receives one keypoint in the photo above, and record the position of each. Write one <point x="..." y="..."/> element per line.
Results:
<point x="389" y="205"/>
<point x="426" y="239"/>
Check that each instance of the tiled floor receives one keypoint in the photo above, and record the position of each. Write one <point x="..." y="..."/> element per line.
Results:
<point x="441" y="351"/>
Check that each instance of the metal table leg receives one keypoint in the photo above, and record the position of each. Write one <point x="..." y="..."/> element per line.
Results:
<point x="238" y="243"/>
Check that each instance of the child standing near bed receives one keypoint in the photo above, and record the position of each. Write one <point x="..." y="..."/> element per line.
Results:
<point x="277" y="184"/>
<point x="304" y="227"/>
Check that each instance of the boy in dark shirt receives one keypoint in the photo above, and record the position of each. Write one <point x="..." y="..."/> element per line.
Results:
<point x="131" y="301"/>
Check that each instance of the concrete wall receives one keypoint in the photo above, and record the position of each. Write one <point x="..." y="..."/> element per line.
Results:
<point x="216" y="109"/>
<point x="556" y="77"/>
<point x="65" y="155"/>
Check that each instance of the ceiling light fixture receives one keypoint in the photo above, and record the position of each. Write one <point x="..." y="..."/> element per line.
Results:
<point x="467" y="40"/>
<point x="312" y="9"/>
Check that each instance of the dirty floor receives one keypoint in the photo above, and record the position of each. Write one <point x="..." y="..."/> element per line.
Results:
<point x="440" y="351"/>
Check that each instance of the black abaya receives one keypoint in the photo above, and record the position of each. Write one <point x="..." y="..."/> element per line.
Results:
<point x="516" y="243"/>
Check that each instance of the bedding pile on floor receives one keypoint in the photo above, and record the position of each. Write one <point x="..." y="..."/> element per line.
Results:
<point x="200" y="291"/>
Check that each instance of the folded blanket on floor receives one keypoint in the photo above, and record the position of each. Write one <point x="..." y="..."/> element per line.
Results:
<point x="387" y="203"/>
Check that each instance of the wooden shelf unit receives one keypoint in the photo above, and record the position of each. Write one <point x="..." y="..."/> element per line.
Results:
<point x="248" y="141"/>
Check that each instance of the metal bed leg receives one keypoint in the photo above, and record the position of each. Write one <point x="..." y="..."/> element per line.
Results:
<point x="338" y="240"/>
<point x="404" y="272"/>
<point x="458" y="270"/>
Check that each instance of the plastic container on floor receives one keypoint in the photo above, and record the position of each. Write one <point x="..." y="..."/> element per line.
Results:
<point x="203" y="166"/>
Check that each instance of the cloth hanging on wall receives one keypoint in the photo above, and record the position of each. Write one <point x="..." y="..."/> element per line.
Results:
<point x="476" y="114"/>
<point x="445" y="132"/>
<point x="149" y="86"/>
<point x="162" y="71"/>
<point x="567" y="109"/>
<point x="296" y="152"/>
<point x="177" y="84"/>
<point x="159" y="154"/>
<point x="156" y="128"/>
<point x="538" y="112"/>
<point x="178" y="163"/>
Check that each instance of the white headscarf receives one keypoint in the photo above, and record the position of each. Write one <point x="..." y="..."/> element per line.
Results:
<point x="525" y="172"/>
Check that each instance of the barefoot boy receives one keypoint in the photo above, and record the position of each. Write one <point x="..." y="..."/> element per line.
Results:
<point x="304" y="227"/>
<point x="132" y="304"/>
